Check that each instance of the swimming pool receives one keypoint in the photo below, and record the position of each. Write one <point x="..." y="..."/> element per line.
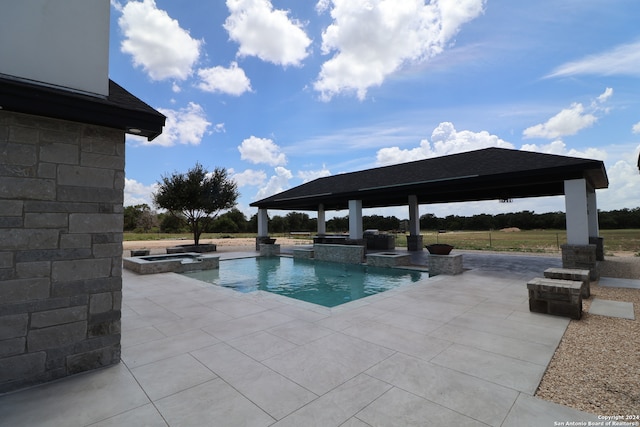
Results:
<point x="324" y="283"/>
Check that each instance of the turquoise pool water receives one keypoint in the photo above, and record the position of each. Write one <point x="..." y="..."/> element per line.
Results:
<point x="324" y="283"/>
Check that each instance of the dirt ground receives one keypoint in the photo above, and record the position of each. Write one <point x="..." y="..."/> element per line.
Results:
<point x="248" y="243"/>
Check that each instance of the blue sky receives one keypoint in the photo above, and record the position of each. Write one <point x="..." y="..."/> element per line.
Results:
<point x="280" y="92"/>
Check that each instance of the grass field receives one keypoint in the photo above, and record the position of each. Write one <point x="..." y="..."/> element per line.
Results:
<point x="541" y="241"/>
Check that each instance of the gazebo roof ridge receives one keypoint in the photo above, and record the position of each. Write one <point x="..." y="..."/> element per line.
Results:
<point x="490" y="173"/>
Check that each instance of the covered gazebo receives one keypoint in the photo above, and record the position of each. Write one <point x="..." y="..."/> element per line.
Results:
<point x="486" y="174"/>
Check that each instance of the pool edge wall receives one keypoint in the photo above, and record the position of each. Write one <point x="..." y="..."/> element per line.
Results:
<point x="347" y="254"/>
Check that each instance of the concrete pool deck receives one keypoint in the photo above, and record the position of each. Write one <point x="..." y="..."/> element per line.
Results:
<point x="451" y="350"/>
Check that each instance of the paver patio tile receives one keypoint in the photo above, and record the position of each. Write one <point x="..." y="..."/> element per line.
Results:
<point x="274" y="393"/>
<point x="175" y="327"/>
<point x="168" y="376"/>
<point x="300" y="332"/>
<point x="147" y="416"/>
<point x="140" y="336"/>
<point x="261" y="345"/>
<point x="213" y="403"/>
<point x="338" y="405"/>
<point x="604" y="307"/>
<point x="530" y="411"/>
<point x="75" y="401"/>
<point x="408" y="322"/>
<point x="519" y="349"/>
<point x="153" y="351"/>
<point x="400" y="408"/>
<point x="517" y="374"/>
<point x="542" y="333"/>
<point x="398" y="339"/>
<point x="476" y="398"/>
<point x="328" y="362"/>
<point x="247" y="325"/>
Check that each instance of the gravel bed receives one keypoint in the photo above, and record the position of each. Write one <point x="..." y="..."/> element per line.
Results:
<point x="596" y="367"/>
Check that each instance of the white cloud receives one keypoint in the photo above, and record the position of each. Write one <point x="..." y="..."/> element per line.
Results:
<point x="570" y="120"/>
<point x="219" y="128"/>
<point x="266" y="33"/>
<point x="560" y="148"/>
<point x="621" y="60"/>
<point x="636" y="128"/>
<point x="277" y="183"/>
<point x="624" y="181"/>
<point x="157" y="42"/>
<point x="372" y="39"/>
<point x="136" y="193"/>
<point x="445" y="139"/>
<point x="307" y="176"/>
<point x="185" y="126"/>
<point x="232" y="80"/>
<point x="261" y="150"/>
<point x="250" y="177"/>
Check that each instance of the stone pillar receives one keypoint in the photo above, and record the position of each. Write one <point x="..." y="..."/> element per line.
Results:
<point x="414" y="239"/>
<point x="263" y="227"/>
<point x="594" y="227"/>
<point x="322" y="223"/>
<point x="355" y="219"/>
<point x="61" y="219"/>
<point x="575" y="194"/>
<point x="263" y="223"/>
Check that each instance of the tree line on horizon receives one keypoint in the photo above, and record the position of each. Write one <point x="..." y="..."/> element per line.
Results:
<point x="205" y="202"/>
<point x="141" y="218"/>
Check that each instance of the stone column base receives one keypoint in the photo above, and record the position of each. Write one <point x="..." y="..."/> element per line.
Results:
<point x="263" y="239"/>
<point x="445" y="264"/>
<point x="581" y="257"/>
<point x="599" y="242"/>
<point x="414" y="243"/>
<point x="269" y="250"/>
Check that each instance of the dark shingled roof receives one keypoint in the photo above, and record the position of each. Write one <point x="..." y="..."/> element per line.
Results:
<point x="120" y="110"/>
<point x="487" y="174"/>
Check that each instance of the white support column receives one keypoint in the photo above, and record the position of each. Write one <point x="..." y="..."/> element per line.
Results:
<point x="414" y="216"/>
<point x="355" y="219"/>
<point x="322" y="224"/>
<point x="263" y="223"/>
<point x="575" y="196"/>
<point x="592" y="208"/>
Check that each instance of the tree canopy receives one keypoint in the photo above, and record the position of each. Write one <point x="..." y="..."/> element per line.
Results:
<point x="197" y="196"/>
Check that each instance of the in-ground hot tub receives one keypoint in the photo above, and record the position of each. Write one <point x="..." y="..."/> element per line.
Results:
<point x="176" y="263"/>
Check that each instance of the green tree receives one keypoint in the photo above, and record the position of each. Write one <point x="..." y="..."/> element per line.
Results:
<point x="197" y="196"/>
<point x="133" y="214"/>
<point x="238" y="218"/>
<point x="171" y="223"/>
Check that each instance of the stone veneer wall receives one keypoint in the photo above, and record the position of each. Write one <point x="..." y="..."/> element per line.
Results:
<point x="348" y="254"/>
<point x="61" y="218"/>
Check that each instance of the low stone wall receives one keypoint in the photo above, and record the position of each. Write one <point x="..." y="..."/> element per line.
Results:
<point x="571" y="274"/>
<point x="269" y="250"/>
<point x="303" y="253"/>
<point x="556" y="297"/>
<point x="347" y="254"/>
<point x="445" y="264"/>
<point x="201" y="248"/>
<point x="388" y="259"/>
<point x="176" y="263"/>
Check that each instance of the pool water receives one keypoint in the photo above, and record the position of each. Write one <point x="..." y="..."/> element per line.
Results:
<point x="324" y="283"/>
